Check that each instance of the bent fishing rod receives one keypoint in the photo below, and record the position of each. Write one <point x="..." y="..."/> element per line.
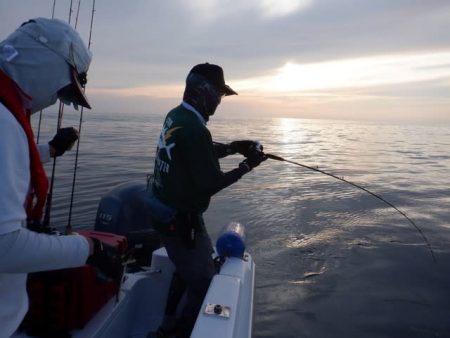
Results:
<point x="425" y="239"/>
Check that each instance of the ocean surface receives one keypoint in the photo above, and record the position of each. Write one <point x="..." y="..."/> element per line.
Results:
<point x="331" y="260"/>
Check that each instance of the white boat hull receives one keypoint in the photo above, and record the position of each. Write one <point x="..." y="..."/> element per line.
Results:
<point x="139" y="308"/>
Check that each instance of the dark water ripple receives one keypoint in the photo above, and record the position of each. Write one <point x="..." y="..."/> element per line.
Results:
<point x="332" y="261"/>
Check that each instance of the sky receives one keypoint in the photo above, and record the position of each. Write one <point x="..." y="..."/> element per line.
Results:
<point x="334" y="59"/>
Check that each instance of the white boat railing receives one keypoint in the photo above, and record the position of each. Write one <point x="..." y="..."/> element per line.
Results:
<point x="227" y="310"/>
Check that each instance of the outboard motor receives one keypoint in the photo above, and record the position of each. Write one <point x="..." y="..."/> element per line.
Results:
<point x="125" y="211"/>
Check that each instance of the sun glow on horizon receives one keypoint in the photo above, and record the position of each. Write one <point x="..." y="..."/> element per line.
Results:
<point x="158" y="91"/>
<point x="319" y="79"/>
<point x="388" y="86"/>
<point x="352" y="73"/>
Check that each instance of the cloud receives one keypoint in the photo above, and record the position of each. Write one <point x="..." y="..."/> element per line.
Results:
<point x="312" y="48"/>
<point x="211" y="11"/>
<point x="281" y="8"/>
<point x="163" y="40"/>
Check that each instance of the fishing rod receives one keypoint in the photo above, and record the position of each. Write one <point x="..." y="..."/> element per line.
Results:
<point x="39" y="127"/>
<point x="69" y="221"/>
<point x="48" y="205"/>
<point x="45" y="226"/>
<point x="53" y="9"/>
<point x="78" y="13"/>
<point x="40" y="112"/>
<point x="425" y="239"/>
<point x="70" y="11"/>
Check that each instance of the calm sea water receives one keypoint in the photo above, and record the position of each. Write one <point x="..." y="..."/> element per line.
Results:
<point x="332" y="260"/>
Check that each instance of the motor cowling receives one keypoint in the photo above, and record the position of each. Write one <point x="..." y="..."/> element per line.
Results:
<point x="125" y="211"/>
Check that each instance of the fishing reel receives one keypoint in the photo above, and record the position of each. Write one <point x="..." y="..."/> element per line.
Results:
<point x="254" y="156"/>
<point x="258" y="147"/>
<point x="257" y="150"/>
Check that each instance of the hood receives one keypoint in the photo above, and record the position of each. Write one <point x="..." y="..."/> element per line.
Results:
<point x="202" y="95"/>
<point x="41" y="56"/>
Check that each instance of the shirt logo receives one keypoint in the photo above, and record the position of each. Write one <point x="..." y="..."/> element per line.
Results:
<point x="165" y="135"/>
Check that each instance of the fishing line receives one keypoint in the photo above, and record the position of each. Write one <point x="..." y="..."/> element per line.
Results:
<point x="69" y="221"/>
<point x="425" y="239"/>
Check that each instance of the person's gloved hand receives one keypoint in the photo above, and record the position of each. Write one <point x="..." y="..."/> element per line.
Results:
<point x="107" y="260"/>
<point x="244" y="147"/>
<point x="254" y="159"/>
<point x="63" y="140"/>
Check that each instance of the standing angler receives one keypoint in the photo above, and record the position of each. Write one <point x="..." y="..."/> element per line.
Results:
<point x="187" y="173"/>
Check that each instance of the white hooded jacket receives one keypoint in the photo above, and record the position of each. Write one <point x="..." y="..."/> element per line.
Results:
<point x="39" y="57"/>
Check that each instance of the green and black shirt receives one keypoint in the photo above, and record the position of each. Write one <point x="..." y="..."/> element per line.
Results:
<point x="187" y="170"/>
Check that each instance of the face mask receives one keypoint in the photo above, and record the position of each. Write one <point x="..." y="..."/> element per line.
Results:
<point x="49" y="73"/>
<point x="202" y="95"/>
<point x="42" y="102"/>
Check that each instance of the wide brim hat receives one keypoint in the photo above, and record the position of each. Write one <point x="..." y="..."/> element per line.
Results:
<point x="62" y="39"/>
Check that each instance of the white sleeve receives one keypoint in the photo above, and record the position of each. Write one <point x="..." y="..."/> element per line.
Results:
<point x="24" y="251"/>
<point x="44" y="152"/>
<point x="14" y="172"/>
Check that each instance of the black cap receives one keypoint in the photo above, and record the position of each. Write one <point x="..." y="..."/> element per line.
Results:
<point x="214" y="74"/>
